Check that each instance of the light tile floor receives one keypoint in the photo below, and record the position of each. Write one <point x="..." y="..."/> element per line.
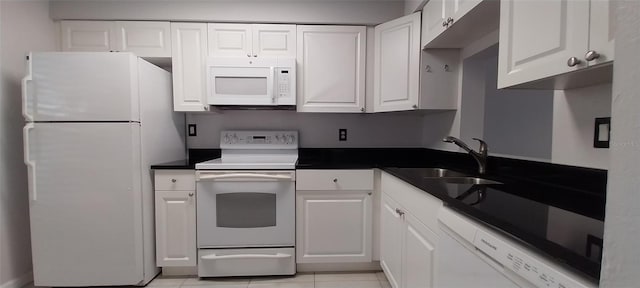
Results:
<point x="300" y="280"/>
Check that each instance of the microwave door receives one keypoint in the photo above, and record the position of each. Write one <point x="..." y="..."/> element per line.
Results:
<point x="241" y="86"/>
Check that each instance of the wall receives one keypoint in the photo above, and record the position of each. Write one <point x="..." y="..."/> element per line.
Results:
<point x="317" y="130"/>
<point x="411" y="6"/>
<point x="517" y="122"/>
<point x="19" y="19"/>
<point x="621" y="261"/>
<point x="573" y="126"/>
<point x="362" y="12"/>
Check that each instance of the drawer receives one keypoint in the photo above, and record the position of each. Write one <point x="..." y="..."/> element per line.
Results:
<point x="246" y="262"/>
<point x="334" y="179"/>
<point x="175" y="180"/>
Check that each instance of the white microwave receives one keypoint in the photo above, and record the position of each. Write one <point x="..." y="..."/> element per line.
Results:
<point x="251" y="81"/>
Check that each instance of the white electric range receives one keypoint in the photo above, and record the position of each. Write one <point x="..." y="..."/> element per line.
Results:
<point x="246" y="205"/>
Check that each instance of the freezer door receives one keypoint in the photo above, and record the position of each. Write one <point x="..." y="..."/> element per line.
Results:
<point x="85" y="203"/>
<point x="64" y="86"/>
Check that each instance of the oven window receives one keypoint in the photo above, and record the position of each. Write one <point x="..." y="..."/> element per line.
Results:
<point x="241" y="85"/>
<point x="245" y="210"/>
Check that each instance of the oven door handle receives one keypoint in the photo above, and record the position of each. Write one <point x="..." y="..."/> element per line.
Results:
<point x="245" y="176"/>
<point x="246" y="256"/>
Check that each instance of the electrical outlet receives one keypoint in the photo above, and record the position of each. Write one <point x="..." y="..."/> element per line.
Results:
<point x="191" y="128"/>
<point x="342" y="134"/>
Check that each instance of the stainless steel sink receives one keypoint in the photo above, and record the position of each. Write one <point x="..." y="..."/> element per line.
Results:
<point x="468" y="180"/>
<point x="434" y="172"/>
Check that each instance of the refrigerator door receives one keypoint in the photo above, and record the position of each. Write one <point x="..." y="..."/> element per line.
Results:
<point x="85" y="203"/>
<point x="81" y="86"/>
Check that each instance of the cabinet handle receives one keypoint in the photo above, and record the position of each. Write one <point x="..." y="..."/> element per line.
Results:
<point x="415" y="106"/>
<point x="248" y="55"/>
<point x="591" y="55"/>
<point x="400" y="212"/>
<point x="361" y="109"/>
<point x="444" y="24"/>
<point x="573" y="61"/>
<point x="191" y="194"/>
<point x="255" y="55"/>
<point x="174" y="180"/>
<point x="369" y="193"/>
<point x="449" y="21"/>
<point x="335" y="180"/>
<point x="206" y="108"/>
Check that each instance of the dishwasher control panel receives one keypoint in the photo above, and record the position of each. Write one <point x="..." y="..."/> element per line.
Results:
<point x="524" y="264"/>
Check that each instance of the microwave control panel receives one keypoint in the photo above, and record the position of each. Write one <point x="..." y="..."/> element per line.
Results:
<point x="284" y="86"/>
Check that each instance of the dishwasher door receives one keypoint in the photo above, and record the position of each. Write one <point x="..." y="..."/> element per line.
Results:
<point x="461" y="266"/>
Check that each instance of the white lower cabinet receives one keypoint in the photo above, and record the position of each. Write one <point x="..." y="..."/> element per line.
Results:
<point x="334" y="222"/>
<point x="407" y="244"/>
<point x="175" y="221"/>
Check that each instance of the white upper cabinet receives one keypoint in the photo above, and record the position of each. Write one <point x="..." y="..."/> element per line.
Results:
<point x="534" y="48"/>
<point x="91" y="36"/>
<point x="602" y="30"/>
<point x="189" y="50"/>
<point x="230" y="40"/>
<point x="456" y="23"/>
<point x="274" y="40"/>
<point x="399" y="83"/>
<point x="331" y="68"/>
<point x="434" y="20"/>
<point x="251" y="40"/>
<point x="397" y="64"/>
<point x="144" y="38"/>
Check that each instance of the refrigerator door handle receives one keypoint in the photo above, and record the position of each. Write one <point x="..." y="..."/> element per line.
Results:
<point x="26" y="82"/>
<point x="31" y="165"/>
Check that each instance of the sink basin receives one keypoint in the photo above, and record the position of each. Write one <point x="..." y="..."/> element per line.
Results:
<point x="434" y="172"/>
<point x="468" y="180"/>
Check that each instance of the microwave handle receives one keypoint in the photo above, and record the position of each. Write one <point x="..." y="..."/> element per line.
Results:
<point x="272" y="74"/>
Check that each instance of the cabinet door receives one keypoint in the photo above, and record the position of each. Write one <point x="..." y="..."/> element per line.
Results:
<point x="333" y="226"/>
<point x="537" y="38"/>
<point x="144" y="38"/>
<point x="602" y="30"/>
<point x="175" y="228"/>
<point x="418" y="267"/>
<point x="331" y="68"/>
<point x="433" y="18"/>
<point x="90" y="36"/>
<point x="391" y="233"/>
<point x="230" y="40"/>
<point x="458" y="8"/>
<point x="274" y="40"/>
<point x="397" y="64"/>
<point x="189" y="52"/>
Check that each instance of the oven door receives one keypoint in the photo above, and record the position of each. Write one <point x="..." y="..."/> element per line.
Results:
<point x="245" y="208"/>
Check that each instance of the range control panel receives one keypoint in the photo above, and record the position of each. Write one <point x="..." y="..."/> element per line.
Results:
<point x="241" y="139"/>
<point x="541" y="275"/>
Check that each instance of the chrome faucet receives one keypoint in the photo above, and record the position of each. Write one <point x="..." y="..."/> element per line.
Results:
<point x="480" y="156"/>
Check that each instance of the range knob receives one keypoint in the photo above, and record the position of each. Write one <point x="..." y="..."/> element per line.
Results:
<point x="234" y="139"/>
<point x="227" y="139"/>
<point x="290" y="139"/>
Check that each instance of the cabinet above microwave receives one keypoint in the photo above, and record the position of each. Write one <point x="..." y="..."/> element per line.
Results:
<point x="243" y="81"/>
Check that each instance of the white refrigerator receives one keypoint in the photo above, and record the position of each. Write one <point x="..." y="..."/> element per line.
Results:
<point x="95" y="123"/>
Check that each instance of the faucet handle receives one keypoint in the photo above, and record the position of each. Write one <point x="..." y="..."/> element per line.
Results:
<point x="483" y="147"/>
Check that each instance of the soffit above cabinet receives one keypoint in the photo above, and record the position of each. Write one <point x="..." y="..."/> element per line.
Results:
<point x="344" y="12"/>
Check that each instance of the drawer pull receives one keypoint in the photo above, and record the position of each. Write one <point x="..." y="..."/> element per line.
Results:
<point x="335" y="180"/>
<point x="174" y="180"/>
<point x="246" y="256"/>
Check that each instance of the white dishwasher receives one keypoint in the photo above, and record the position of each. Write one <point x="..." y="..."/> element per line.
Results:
<point x="470" y="255"/>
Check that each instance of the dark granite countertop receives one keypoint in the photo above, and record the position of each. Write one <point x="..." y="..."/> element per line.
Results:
<point x="194" y="156"/>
